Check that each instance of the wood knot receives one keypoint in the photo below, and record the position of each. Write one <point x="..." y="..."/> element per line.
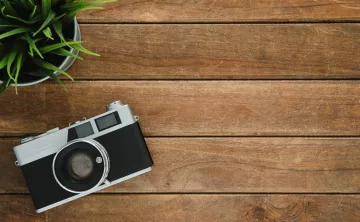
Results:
<point x="257" y="213"/>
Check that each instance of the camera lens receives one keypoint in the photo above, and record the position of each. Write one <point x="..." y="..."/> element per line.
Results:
<point x="80" y="166"/>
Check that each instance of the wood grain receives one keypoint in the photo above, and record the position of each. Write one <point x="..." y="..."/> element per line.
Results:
<point x="194" y="108"/>
<point x="18" y="208"/>
<point x="231" y="165"/>
<point x="268" y="51"/>
<point x="225" y="11"/>
<point x="190" y="208"/>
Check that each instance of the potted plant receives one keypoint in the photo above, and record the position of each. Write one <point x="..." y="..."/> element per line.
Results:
<point x="39" y="39"/>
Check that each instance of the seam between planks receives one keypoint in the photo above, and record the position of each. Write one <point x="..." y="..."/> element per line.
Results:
<point x="213" y="80"/>
<point x="92" y="22"/>
<point x="220" y="136"/>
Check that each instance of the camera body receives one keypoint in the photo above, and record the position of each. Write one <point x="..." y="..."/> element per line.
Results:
<point x="62" y="165"/>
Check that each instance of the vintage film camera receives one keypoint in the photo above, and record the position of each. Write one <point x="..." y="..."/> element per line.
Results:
<point x="62" y="165"/>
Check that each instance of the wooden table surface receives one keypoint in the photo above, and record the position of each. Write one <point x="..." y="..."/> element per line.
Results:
<point x="251" y="110"/>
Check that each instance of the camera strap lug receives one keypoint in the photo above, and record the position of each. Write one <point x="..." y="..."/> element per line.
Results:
<point x="137" y="118"/>
<point x="17" y="163"/>
<point x="107" y="182"/>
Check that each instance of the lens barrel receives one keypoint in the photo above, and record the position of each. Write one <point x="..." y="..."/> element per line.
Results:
<point x="81" y="165"/>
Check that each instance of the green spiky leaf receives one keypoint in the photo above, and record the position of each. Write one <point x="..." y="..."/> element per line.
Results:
<point x="51" y="15"/>
<point x="58" y="29"/>
<point x="31" y="51"/>
<point x="3" y="61"/>
<point x="5" y="85"/>
<point x="32" y="21"/>
<point x="10" y="61"/>
<point x="19" y="62"/>
<point x="45" y="8"/>
<point x="49" y="48"/>
<point x="14" y="32"/>
<point x="47" y="33"/>
<point x="57" y="18"/>
<point x="82" y="49"/>
<point x="50" y="66"/>
<point x="64" y="52"/>
<point x="32" y="2"/>
<point x="9" y="8"/>
<point x="54" y="77"/>
<point x="32" y="44"/>
<point x="33" y="12"/>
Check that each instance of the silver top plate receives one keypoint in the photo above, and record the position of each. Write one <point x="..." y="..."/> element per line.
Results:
<point x="53" y="140"/>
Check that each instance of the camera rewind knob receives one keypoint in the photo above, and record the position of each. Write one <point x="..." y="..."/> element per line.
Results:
<point x="113" y="105"/>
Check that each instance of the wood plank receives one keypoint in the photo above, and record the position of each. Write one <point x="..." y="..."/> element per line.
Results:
<point x="268" y="51"/>
<point x="194" y="108"/>
<point x="18" y="208"/>
<point x="225" y="11"/>
<point x="231" y="165"/>
<point x="190" y="208"/>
